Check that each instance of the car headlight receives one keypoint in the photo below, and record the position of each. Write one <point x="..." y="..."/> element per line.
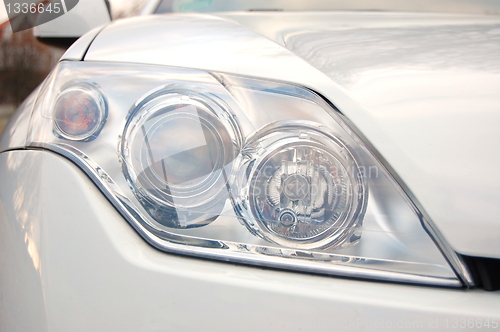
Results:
<point x="236" y="169"/>
<point x="175" y="149"/>
<point x="302" y="187"/>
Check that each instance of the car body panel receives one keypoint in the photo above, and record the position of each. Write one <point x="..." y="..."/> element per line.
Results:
<point x="69" y="262"/>
<point x="436" y="130"/>
<point x="77" y="51"/>
<point x="15" y="133"/>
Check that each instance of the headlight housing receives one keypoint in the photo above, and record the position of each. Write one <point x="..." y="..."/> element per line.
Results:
<point x="236" y="169"/>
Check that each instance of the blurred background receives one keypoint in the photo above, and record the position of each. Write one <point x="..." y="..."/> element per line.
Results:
<point x="25" y="62"/>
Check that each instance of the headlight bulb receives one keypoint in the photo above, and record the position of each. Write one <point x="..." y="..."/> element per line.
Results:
<point x="304" y="189"/>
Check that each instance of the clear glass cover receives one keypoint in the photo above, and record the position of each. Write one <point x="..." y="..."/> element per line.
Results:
<point x="302" y="187"/>
<point x="79" y="112"/>
<point x="176" y="148"/>
<point x="243" y="170"/>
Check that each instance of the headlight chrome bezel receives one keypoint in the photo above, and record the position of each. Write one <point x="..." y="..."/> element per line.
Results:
<point x="237" y="100"/>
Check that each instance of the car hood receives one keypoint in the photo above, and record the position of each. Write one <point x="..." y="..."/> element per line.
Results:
<point x="424" y="89"/>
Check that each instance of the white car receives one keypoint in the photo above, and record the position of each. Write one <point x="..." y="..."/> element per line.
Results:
<point x="259" y="166"/>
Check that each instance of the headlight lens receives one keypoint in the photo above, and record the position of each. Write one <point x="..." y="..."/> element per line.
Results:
<point x="79" y="112"/>
<point x="176" y="149"/>
<point x="304" y="188"/>
<point x="236" y="169"/>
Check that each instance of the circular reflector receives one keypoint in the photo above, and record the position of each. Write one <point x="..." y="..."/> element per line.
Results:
<point x="79" y="112"/>
<point x="179" y="151"/>
<point x="304" y="189"/>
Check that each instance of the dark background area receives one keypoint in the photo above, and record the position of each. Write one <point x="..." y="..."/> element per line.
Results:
<point x="24" y="63"/>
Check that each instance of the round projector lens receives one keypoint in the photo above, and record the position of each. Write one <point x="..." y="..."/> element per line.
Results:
<point x="181" y="148"/>
<point x="304" y="192"/>
<point x="177" y="150"/>
<point x="79" y="112"/>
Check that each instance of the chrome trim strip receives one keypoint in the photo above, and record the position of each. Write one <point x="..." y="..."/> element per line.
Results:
<point x="233" y="252"/>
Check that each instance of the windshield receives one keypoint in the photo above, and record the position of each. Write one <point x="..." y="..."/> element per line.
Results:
<point x="446" y="6"/>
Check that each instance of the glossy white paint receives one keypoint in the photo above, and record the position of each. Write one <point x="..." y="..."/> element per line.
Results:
<point x="15" y="132"/>
<point x="423" y="89"/>
<point x="77" y="51"/>
<point x="69" y="262"/>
